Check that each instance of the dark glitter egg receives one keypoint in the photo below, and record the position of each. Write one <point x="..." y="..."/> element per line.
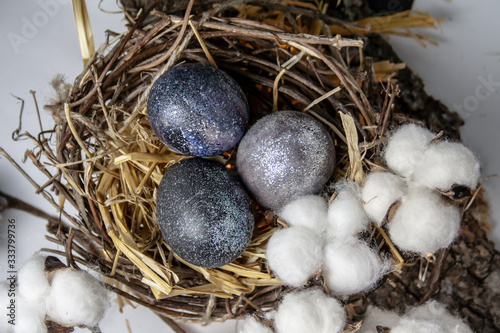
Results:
<point x="204" y="213"/>
<point x="197" y="110"/>
<point x="283" y="156"/>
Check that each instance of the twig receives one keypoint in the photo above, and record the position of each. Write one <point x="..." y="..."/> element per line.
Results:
<point x="45" y="195"/>
<point x="15" y="134"/>
<point x="229" y="30"/>
<point x="9" y="202"/>
<point x="171" y="50"/>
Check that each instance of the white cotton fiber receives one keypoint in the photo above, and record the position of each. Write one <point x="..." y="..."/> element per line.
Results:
<point x="424" y="222"/>
<point x="251" y="325"/>
<point x="294" y="254"/>
<point x="77" y="298"/>
<point x="432" y="317"/>
<point x="33" y="282"/>
<point x="351" y="266"/>
<point x="270" y="315"/>
<point x="346" y="215"/>
<point x="308" y="211"/>
<point x="405" y="148"/>
<point x="407" y="325"/>
<point x="380" y="191"/>
<point x="445" y="164"/>
<point x="378" y="317"/>
<point x="309" y="311"/>
<point x="436" y="312"/>
<point x="30" y="316"/>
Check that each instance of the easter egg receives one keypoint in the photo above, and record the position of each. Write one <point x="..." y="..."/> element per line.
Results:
<point x="197" y="110"/>
<point x="204" y="213"/>
<point x="284" y="156"/>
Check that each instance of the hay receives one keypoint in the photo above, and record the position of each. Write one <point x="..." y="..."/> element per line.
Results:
<point x="83" y="29"/>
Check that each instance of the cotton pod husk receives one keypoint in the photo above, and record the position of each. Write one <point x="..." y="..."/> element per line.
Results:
<point x="76" y="298"/>
<point x="380" y="191"/>
<point x="351" y="266"/>
<point x="294" y="253"/>
<point x="405" y="148"/>
<point x="309" y="211"/>
<point x="309" y="311"/>
<point x="424" y="222"/>
<point x="345" y="213"/>
<point x="250" y="325"/>
<point x="445" y="164"/>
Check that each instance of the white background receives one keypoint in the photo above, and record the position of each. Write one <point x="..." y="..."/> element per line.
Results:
<point x="468" y="53"/>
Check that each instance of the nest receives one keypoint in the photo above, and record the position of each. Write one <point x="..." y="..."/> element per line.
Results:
<point x="103" y="159"/>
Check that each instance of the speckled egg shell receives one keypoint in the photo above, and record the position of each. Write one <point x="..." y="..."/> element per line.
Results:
<point x="284" y="156"/>
<point x="197" y="110"/>
<point x="204" y="213"/>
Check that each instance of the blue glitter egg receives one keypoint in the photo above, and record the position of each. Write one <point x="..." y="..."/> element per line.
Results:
<point x="204" y="213"/>
<point x="197" y="110"/>
<point x="284" y="156"/>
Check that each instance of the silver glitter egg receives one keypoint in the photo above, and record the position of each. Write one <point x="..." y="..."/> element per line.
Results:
<point x="197" y="110"/>
<point x="204" y="213"/>
<point x="283" y="156"/>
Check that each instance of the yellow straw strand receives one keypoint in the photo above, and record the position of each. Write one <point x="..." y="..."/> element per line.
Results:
<point x="83" y="30"/>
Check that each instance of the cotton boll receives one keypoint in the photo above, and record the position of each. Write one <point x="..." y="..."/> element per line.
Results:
<point x="31" y="316"/>
<point x="251" y="325"/>
<point x="424" y="223"/>
<point x="380" y="191"/>
<point x="76" y="298"/>
<point x="405" y="148"/>
<point x="410" y="325"/>
<point x="33" y="282"/>
<point x="435" y="313"/>
<point x="294" y="254"/>
<point x="431" y="317"/>
<point x="308" y="211"/>
<point x="378" y="317"/>
<point x="345" y="214"/>
<point x="445" y="164"/>
<point x="309" y="311"/>
<point x="351" y="266"/>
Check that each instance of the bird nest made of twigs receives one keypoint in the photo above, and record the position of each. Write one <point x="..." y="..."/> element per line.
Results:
<point x="108" y="162"/>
